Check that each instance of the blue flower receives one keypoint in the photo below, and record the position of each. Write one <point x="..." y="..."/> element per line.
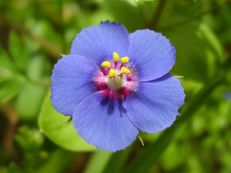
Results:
<point x="115" y="84"/>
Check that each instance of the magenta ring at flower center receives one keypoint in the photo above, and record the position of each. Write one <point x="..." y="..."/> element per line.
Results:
<point x="118" y="85"/>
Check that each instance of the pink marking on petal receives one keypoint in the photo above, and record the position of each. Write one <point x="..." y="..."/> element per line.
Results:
<point x="101" y="86"/>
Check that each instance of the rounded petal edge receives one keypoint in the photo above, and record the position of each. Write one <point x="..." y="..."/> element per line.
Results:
<point x="152" y="54"/>
<point x="155" y="106"/>
<point x="98" y="42"/>
<point x="104" y="123"/>
<point x="71" y="81"/>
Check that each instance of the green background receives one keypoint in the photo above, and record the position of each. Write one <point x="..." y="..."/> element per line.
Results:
<point x="34" y="138"/>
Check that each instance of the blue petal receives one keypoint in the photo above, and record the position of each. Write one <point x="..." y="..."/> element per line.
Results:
<point x="100" y="41"/>
<point x="71" y="81"/>
<point x="104" y="123"/>
<point x="155" y="106"/>
<point x="152" y="54"/>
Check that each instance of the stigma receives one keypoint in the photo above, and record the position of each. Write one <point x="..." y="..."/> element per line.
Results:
<point x="116" y="77"/>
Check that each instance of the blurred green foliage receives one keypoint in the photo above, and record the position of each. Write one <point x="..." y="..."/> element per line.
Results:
<point x="34" y="138"/>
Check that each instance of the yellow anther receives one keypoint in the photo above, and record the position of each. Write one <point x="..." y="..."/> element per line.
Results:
<point x="105" y="64"/>
<point x="125" y="70"/>
<point x="124" y="59"/>
<point x="112" y="73"/>
<point x="116" y="56"/>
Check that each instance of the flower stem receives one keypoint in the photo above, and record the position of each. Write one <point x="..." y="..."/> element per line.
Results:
<point x="156" y="17"/>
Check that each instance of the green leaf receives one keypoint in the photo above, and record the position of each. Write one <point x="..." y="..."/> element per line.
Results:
<point x="19" y="54"/>
<point x="5" y="61"/>
<point x="37" y="68"/>
<point x="10" y="88"/>
<point x="5" y="74"/>
<point x="56" y="127"/>
<point x="29" y="101"/>
<point x="10" y="82"/>
<point x="6" y="66"/>
<point x="15" y="46"/>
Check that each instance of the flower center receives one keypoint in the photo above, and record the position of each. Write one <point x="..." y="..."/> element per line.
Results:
<point x="116" y="78"/>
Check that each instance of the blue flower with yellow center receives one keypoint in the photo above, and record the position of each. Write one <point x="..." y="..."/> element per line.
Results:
<point x="115" y="84"/>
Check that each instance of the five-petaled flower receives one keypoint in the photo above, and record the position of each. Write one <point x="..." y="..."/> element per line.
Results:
<point x="114" y="84"/>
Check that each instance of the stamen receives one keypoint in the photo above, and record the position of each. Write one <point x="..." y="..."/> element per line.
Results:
<point x="116" y="56"/>
<point x="125" y="70"/>
<point x="124" y="59"/>
<point x="105" y="64"/>
<point x="115" y="78"/>
<point x="112" y="73"/>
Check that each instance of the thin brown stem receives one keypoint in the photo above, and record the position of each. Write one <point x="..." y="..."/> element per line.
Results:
<point x="156" y="17"/>
<point x="12" y="119"/>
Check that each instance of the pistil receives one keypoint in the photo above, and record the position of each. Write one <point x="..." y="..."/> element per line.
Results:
<point x="115" y="77"/>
